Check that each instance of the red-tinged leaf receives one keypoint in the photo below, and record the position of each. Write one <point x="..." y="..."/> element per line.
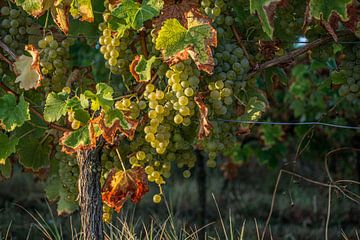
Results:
<point x="27" y="69"/>
<point x="179" y="42"/>
<point x="175" y="9"/>
<point x="81" y="139"/>
<point x="123" y="185"/>
<point x="205" y="125"/>
<point x="60" y="13"/>
<point x="115" y="122"/>
<point x="141" y="67"/>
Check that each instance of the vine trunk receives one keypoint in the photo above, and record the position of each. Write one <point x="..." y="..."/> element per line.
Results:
<point x="90" y="194"/>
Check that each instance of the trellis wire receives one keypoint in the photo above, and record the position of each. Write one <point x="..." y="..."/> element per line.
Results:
<point x="281" y="123"/>
<point x="292" y="123"/>
<point x="244" y="40"/>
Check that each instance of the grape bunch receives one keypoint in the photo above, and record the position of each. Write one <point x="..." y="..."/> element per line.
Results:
<point x="55" y="61"/>
<point x="15" y="27"/>
<point x="69" y="174"/>
<point x="116" y="51"/>
<point x="351" y="89"/>
<point x="213" y="8"/>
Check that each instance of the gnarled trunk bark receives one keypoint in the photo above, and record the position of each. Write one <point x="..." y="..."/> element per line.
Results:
<point x="90" y="194"/>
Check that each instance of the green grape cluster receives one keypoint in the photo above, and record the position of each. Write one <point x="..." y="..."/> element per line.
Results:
<point x="213" y="8"/>
<point x="15" y="27"/>
<point x="228" y="82"/>
<point x="351" y="89"/>
<point x="116" y="51"/>
<point x="55" y="61"/>
<point x="69" y="174"/>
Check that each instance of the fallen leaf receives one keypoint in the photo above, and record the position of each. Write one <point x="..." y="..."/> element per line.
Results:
<point x="123" y="185"/>
<point x="205" y="125"/>
<point x="27" y="69"/>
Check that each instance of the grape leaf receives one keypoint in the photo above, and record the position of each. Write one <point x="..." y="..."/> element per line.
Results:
<point x="114" y="121"/>
<point x="7" y="147"/>
<point x="55" y="192"/>
<point x="123" y="185"/>
<point x="205" y="125"/>
<point x="27" y="69"/>
<point x="178" y="43"/>
<point x="83" y="9"/>
<point x="323" y="9"/>
<point x="13" y="114"/>
<point x="77" y="105"/>
<point x="338" y="77"/>
<point x="140" y="68"/>
<point x="6" y="169"/>
<point x="60" y="14"/>
<point x="33" y="153"/>
<point x="80" y="140"/>
<point x="265" y="10"/>
<point x="271" y="134"/>
<point x="131" y="14"/>
<point x="55" y="106"/>
<point x="175" y="9"/>
<point x="36" y="8"/>
<point x="103" y="97"/>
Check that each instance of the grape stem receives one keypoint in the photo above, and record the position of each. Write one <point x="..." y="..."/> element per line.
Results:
<point x="241" y="43"/>
<point x="144" y="49"/>
<point x="121" y="161"/>
<point x="8" y="50"/>
<point x="6" y="60"/>
<point x="295" y="53"/>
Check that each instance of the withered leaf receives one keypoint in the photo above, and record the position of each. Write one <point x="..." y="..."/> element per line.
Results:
<point x="123" y="185"/>
<point x="205" y="125"/>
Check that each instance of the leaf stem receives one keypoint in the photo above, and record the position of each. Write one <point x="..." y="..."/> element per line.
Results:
<point x="121" y="161"/>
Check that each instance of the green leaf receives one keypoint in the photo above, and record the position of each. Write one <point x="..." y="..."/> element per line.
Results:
<point x="6" y="169"/>
<point x="53" y="184"/>
<point x="34" y="153"/>
<point x="271" y="134"/>
<point x="324" y="9"/>
<point x="76" y="105"/>
<point x="35" y="7"/>
<point x="254" y="109"/>
<point x="143" y="68"/>
<point x="114" y="115"/>
<point x="65" y="206"/>
<point x="131" y="14"/>
<point x="103" y="97"/>
<point x="13" y="114"/>
<point x="55" y="106"/>
<point x="7" y="147"/>
<point x="265" y="10"/>
<point x="83" y="9"/>
<point x="174" y="38"/>
<point x="338" y="77"/>
<point x="78" y="138"/>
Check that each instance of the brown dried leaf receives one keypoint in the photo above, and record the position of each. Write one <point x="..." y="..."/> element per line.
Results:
<point x="133" y="65"/>
<point x="60" y="13"/>
<point x="123" y="185"/>
<point x="175" y="9"/>
<point x="27" y="69"/>
<point x="205" y="125"/>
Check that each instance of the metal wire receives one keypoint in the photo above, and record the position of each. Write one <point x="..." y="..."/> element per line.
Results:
<point x="293" y="124"/>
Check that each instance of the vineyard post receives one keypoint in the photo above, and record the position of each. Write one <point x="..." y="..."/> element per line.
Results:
<point x="90" y="193"/>
<point x="201" y="181"/>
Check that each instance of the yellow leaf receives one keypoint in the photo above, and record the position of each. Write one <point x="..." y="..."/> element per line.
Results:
<point x="27" y="69"/>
